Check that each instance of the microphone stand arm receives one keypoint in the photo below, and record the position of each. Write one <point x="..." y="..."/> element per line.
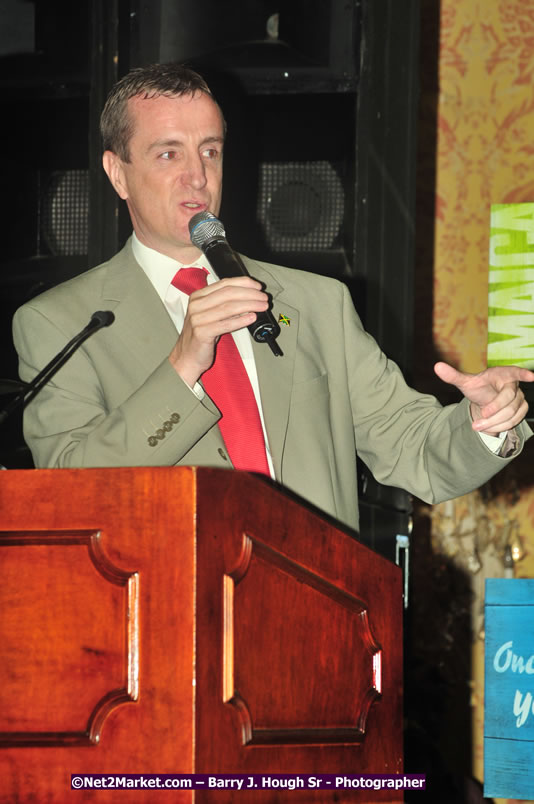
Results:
<point x="98" y="320"/>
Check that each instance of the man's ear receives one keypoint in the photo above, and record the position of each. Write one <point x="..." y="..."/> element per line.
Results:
<point x="115" y="171"/>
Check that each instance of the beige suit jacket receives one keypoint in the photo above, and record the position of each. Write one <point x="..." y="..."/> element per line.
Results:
<point x="333" y="394"/>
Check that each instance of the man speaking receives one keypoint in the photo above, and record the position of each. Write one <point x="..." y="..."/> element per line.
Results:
<point x="178" y="379"/>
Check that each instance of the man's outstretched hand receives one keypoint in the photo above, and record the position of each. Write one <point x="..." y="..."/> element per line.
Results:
<point x="497" y="401"/>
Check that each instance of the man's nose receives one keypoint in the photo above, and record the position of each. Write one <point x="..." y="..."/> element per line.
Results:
<point x="194" y="174"/>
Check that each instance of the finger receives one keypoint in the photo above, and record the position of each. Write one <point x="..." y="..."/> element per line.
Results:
<point x="450" y="375"/>
<point x="516" y="374"/>
<point x="499" y="424"/>
<point x="207" y="320"/>
<point x="229" y="283"/>
<point x="210" y="331"/>
<point x="506" y="418"/>
<point x="219" y="294"/>
<point x="500" y="374"/>
<point x="505" y="399"/>
<point x="222" y="311"/>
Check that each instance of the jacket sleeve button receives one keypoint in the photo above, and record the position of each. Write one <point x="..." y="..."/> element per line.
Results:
<point x="152" y="441"/>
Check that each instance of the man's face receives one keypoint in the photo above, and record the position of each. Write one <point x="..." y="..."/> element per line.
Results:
<point x="175" y="169"/>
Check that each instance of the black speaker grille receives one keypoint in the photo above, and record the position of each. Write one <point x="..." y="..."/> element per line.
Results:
<point x="301" y="205"/>
<point x="65" y="212"/>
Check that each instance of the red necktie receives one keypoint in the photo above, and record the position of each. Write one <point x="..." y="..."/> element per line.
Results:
<point x="228" y="385"/>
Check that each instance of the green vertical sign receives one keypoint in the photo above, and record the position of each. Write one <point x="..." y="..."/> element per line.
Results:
<point x="511" y="286"/>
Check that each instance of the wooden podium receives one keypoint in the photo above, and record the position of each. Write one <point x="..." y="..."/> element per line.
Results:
<point x="181" y="620"/>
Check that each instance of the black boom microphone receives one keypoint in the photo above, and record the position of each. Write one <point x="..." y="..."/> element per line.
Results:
<point x="102" y="318"/>
<point x="207" y="233"/>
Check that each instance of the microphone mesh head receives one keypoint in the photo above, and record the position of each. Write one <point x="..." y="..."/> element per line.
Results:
<point x="205" y="227"/>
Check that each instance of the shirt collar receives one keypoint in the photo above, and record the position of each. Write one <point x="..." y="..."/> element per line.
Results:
<point x="161" y="269"/>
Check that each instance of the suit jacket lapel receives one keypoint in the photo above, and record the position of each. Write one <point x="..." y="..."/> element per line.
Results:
<point x="275" y="374"/>
<point x="144" y="325"/>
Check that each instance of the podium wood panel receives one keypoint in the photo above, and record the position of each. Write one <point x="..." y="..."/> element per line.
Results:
<point x="189" y="621"/>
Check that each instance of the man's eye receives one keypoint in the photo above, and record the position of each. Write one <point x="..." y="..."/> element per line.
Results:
<point x="210" y="153"/>
<point x="168" y="155"/>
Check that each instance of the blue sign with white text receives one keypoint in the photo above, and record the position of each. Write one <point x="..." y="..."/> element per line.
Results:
<point x="509" y="689"/>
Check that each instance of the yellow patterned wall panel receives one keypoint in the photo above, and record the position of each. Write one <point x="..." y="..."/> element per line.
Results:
<point x="485" y="150"/>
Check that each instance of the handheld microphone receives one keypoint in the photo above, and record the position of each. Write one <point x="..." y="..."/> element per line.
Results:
<point x="102" y="318"/>
<point x="207" y="233"/>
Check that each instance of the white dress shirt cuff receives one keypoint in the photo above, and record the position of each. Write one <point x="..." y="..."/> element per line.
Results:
<point x="505" y="444"/>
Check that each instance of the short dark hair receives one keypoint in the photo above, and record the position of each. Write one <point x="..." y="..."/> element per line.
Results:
<point x="171" y="80"/>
